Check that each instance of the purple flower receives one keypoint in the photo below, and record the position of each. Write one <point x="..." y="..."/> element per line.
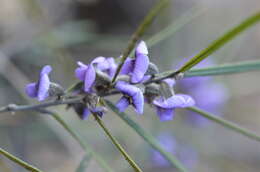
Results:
<point x="165" y="107"/>
<point x="106" y="65"/>
<point x="41" y="88"/>
<point x="185" y="153"/>
<point x="132" y="95"/>
<point x="87" y="74"/>
<point x="137" y="67"/>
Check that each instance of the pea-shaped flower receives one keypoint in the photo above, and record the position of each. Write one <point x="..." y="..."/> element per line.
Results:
<point x="87" y="73"/>
<point x="40" y="89"/>
<point x="132" y="96"/>
<point x="165" y="107"/>
<point x="137" y="67"/>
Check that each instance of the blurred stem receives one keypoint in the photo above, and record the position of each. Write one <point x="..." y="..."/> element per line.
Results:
<point x="83" y="144"/>
<point x="117" y="144"/>
<point x="139" y="32"/>
<point x="225" y="123"/>
<point x="19" y="161"/>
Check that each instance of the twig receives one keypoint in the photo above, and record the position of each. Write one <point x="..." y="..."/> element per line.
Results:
<point x="14" y="107"/>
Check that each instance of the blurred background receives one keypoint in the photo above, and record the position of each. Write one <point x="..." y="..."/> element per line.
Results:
<point x="34" y="33"/>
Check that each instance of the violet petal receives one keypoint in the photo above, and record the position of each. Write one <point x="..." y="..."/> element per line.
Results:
<point x="122" y="104"/>
<point x="31" y="90"/>
<point x="140" y="67"/>
<point x="90" y="77"/>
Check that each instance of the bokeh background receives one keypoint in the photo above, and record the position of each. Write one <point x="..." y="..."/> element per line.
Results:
<point x="34" y="33"/>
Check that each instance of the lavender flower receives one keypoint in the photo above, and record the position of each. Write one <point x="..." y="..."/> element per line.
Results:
<point x="137" y="67"/>
<point x="87" y="74"/>
<point x="132" y="95"/>
<point x="106" y="65"/>
<point x="165" y="107"/>
<point x="185" y="153"/>
<point x="41" y="88"/>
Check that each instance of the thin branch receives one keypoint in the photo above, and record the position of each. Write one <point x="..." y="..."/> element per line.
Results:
<point x="14" y="107"/>
<point x="119" y="147"/>
<point x="139" y="32"/>
<point x="19" y="161"/>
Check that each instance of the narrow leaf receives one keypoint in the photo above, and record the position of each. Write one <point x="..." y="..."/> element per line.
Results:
<point x="226" y="123"/>
<point x="84" y="163"/>
<point x="220" y="42"/>
<point x="147" y="137"/>
<point x="225" y="69"/>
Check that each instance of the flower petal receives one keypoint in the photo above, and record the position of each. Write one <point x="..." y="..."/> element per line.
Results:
<point x="141" y="48"/>
<point x="112" y="66"/>
<point x="140" y="67"/>
<point x="170" y="82"/>
<point x="46" y="70"/>
<point x="165" y="114"/>
<point x="97" y="60"/>
<point x="122" y="104"/>
<point x="176" y="101"/>
<point x="126" y="88"/>
<point x="31" y="90"/>
<point x="138" y="102"/>
<point x="85" y="114"/>
<point x="187" y="100"/>
<point x="43" y="87"/>
<point x="80" y="73"/>
<point x="127" y="67"/>
<point x="90" y="77"/>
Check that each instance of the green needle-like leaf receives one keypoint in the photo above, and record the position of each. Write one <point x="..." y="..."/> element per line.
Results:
<point x="147" y="137"/>
<point x="225" y="123"/>
<point x="220" y="42"/>
<point x="225" y="69"/>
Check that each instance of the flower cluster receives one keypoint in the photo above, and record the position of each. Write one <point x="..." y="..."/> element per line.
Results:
<point x="96" y="80"/>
